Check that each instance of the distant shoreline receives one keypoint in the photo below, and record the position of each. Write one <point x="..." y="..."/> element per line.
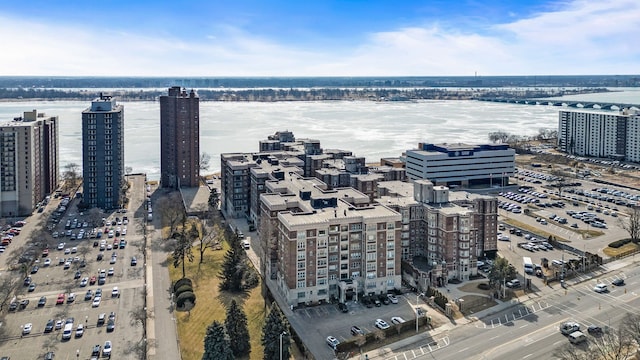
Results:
<point x="299" y="94"/>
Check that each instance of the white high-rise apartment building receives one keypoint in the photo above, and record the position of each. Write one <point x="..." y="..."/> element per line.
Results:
<point x="600" y="134"/>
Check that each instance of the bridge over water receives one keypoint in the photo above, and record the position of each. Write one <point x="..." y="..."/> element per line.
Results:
<point x="564" y="103"/>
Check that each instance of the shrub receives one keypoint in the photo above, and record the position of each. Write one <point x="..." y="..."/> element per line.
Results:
<point x="484" y="286"/>
<point x="187" y="295"/>
<point x="618" y="243"/>
<point x="182" y="289"/>
<point x="251" y="279"/>
<point x="183" y="281"/>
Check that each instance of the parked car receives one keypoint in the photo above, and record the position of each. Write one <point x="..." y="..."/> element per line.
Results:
<point x="594" y="330"/>
<point x="134" y="261"/>
<point x="26" y="329"/>
<point x="25" y="302"/>
<point x="332" y="342"/>
<point x="79" y="331"/>
<point x="88" y="295"/>
<point x="618" y="282"/>
<point x="392" y="298"/>
<point x="95" y="351"/>
<point x="600" y="288"/>
<point x="355" y="330"/>
<point x="106" y="349"/>
<point x="42" y="301"/>
<point x="397" y="320"/>
<point x="101" y="319"/>
<point x="381" y="324"/>
<point x="49" y="327"/>
<point x="96" y="301"/>
<point x="515" y="283"/>
<point x="385" y="300"/>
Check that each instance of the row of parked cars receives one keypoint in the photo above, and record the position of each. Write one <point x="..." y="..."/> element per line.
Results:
<point x="536" y="175"/>
<point x="333" y="342"/>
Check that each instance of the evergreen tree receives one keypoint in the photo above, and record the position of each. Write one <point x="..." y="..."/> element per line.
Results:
<point x="233" y="267"/>
<point x="275" y="326"/>
<point x="236" y="325"/>
<point x="216" y="343"/>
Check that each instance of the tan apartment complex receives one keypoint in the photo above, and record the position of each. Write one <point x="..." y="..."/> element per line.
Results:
<point x="28" y="162"/>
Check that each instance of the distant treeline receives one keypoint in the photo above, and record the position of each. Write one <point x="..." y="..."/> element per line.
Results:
<point x="325" y="82"/>
<point x="295" y="94"/>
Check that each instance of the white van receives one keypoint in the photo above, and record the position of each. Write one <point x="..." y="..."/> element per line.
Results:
<point x="245" y="244"/>
<point x="66" y="333"/>
<point x="577" y="337"/>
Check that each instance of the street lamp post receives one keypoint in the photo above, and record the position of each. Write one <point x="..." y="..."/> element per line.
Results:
<point x="281" y="334"/>
<point x="417" y="296"/>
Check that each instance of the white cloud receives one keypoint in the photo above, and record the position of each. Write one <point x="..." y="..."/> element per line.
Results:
<point x="582" y="37"/>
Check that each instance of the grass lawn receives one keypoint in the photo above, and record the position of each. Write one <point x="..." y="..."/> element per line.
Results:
<point x="211" y="305"/>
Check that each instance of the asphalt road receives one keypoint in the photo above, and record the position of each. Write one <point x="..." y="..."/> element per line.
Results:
<point x="165" y="343"/>
<point x="530" y="330"/>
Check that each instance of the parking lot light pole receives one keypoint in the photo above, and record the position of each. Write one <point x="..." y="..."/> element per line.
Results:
<point x="283" y="333"/>
<point x="417" y="296"/>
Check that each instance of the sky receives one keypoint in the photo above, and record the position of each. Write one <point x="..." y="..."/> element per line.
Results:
<point x="249" y="38"/>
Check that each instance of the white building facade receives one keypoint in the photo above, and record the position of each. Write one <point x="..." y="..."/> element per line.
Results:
<point x="461" y="164"/>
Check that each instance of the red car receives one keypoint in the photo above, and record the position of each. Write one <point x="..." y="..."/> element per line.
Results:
<point x="60" y="299"/>
<point x="92" y="280"/>
<point x="45" y="252"/>
<point x="116" y="241"/>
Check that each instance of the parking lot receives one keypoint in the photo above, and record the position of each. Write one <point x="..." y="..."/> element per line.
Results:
<point x="328" y="320"/>
<point x="580" y="208"/>
<point x="72" y="269"/>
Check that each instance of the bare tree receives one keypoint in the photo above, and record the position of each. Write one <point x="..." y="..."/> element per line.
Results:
<point x="204" y="161"/>
<point x="210" y="237"/>
<point x="614" y="344"/>
<point x="632" y="224"/>
<point x="71" y="176"/>
<point x="171" y="211"/>
<point x="94" y="217"/>
<point x="500" y="136"/>
<point x="8" y="286"/>
<point x="84" y="251"/>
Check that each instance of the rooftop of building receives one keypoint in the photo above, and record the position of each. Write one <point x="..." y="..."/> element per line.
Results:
<point x="397" y="188"/>
<point x="458" y="148"/>
<point x="105" y="103"/>
<point x="342" y="213"/>
<point x="298" y="190"/>
<point x="623" y="112"/>
<point x="464" y="195"/>
<point x="196" y="199"/>
<point x="29" y="118"/>
<point x="393" y="201"/>
<point x="367" y="177"/>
